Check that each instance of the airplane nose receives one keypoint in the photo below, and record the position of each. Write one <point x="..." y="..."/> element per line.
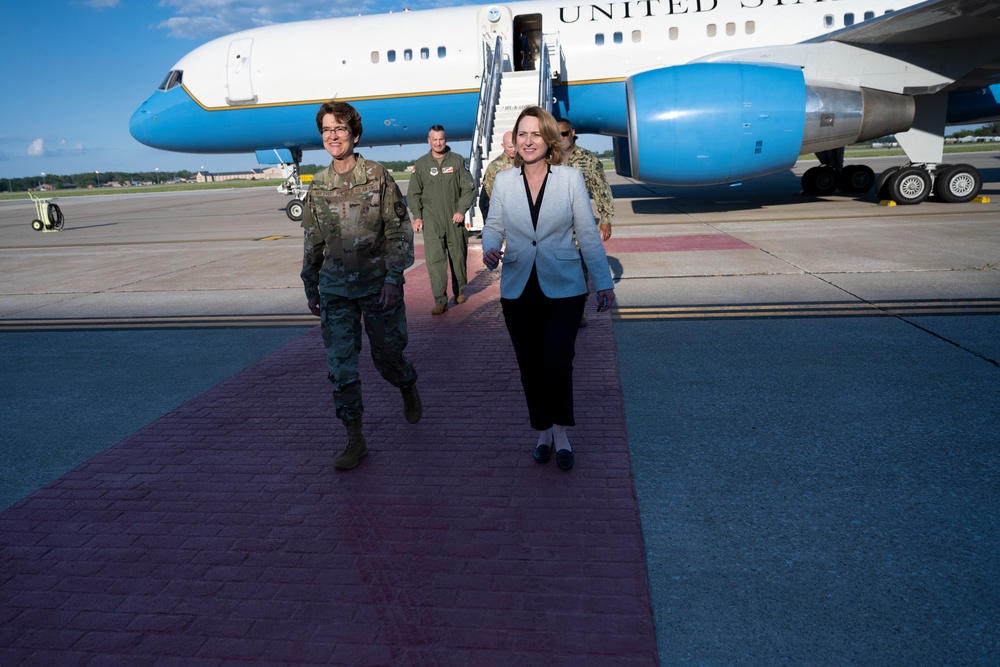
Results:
<point x="140" y="125"/>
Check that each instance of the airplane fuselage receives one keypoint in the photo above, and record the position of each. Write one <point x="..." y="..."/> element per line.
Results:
<point x="406" y="71"/>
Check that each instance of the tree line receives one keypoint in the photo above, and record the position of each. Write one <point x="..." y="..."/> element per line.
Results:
<point x="127" y="178"/>
<point x="91" y="179"/>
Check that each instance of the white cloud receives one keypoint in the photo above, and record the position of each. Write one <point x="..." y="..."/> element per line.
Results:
<point x="37" y="148"/>
<point x="212" y="18"/>
<point x="102" y="4"/>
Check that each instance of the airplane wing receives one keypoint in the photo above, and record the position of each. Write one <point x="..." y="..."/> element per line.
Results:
<point x="958" y="38"/>
<point x="928" y="22"/>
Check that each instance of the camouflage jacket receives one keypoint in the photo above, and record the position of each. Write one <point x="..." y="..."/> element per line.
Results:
<point x="358" y="235"/>
<point x="597" y="184"/>
<point x="494" y="168"/>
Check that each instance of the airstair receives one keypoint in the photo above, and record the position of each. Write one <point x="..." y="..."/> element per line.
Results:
<point x="503" y="94"/>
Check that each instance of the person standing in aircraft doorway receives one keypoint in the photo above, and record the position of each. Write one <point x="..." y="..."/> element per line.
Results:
<point x="597" y="184"/>
<point x="358" y="242"/>
<point x="440" y="193"/>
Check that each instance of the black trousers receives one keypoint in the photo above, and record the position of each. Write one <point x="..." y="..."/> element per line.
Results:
<point x="543" y="332"/>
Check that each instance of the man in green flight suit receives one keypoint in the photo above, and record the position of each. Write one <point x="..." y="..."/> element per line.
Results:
<point x="440" y="192"/>
<point x="358" y="242"/>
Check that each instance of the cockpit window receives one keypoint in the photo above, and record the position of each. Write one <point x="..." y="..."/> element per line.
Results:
<point x="173" y="79"/>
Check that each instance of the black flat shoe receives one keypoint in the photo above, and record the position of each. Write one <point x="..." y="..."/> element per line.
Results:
<point x="564" y="459"/>
<point x="542" y="453"/>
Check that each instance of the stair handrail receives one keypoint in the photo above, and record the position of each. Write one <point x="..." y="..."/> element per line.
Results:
<point x="545" y="98"/>
<point x="489" y="94"/>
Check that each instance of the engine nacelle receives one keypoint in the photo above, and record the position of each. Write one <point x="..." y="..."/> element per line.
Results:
<point x="710" y="123"/>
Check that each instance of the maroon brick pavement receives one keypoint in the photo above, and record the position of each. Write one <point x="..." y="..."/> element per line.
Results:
<point x="220" y="534"/>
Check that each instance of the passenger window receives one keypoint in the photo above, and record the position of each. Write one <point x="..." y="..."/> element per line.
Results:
<point x="828" y="21"/>
<point x="711" y="30"/>
<point x="374" y="57"/>
<point x="672" y="33"/>
<point x="618" y="38"/>
<point x="599" y="39"/>
<point x="391" y="56"/>
<point x="442" y="52"/>
<point x="408" y="55"/>
<point x="849" y="18"/>
<point x="425" y="53"/>
<point x="730" y="29"/>
<point x="636" y="36"/>
<point x="869" y="16"/>
<point x="750" y="28"/>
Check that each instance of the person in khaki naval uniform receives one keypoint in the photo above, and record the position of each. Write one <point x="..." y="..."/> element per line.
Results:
<point x="358" y="242"/>
<point x="439" y="194"/>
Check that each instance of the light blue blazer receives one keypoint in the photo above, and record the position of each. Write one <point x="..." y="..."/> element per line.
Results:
<point x="565" y="209"/>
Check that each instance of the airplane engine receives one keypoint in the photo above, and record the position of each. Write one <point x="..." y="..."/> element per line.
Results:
<point x="711" y="123"/>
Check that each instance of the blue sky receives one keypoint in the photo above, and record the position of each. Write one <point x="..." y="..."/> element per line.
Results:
<point x="73" y="72"/>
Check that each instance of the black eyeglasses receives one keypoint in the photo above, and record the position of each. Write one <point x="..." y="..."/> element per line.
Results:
<point x="565" y="134"/>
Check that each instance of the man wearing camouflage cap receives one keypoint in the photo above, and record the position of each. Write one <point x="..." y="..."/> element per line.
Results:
<point x="358" y="242"/>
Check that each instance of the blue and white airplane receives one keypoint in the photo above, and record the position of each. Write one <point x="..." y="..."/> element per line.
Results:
<point x="692" y="92"/>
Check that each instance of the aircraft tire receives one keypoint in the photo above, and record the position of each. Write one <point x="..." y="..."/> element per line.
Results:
<point x="37" y="225"/>
<point x="819" y="181"/>
<point x="957" y="184"/>
<point x="909" y="186"/>
<point x="294" y="210"/>
<point x="856" y="179"/>
<point x="880" y="190"/>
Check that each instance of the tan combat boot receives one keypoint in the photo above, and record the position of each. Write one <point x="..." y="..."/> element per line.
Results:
<point x="413" y="407"/>
<point x="356" y="450"/>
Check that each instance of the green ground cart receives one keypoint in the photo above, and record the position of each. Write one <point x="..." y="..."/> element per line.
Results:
<point x="48" y="216"/>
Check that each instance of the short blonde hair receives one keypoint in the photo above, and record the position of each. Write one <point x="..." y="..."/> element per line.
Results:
<point x="550" y="135"/>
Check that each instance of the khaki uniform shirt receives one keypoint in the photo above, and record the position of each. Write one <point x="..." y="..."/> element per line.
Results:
<point x="358" y="236"/>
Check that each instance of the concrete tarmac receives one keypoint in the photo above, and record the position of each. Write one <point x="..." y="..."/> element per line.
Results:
<point x="811" y="390"/>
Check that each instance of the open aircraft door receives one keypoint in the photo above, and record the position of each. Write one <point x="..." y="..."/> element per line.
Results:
<point x="497" y="21"/>
<point x="238" y="78"/>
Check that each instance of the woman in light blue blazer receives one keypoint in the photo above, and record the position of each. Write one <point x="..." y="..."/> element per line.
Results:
<point x="535" y="210"/>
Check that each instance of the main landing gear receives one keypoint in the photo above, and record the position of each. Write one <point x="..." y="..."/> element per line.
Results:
<point x="912" y="184"/>
<point x="293" y="186"/>
<point x="905" y="185"/>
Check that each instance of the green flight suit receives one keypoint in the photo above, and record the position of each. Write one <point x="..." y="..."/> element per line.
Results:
<point x="437" y="191"/>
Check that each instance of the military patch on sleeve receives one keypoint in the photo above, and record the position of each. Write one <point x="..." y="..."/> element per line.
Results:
<point x="400" y="210"/>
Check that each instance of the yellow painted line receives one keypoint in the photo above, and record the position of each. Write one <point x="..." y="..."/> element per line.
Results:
<point x="785" y="310"/>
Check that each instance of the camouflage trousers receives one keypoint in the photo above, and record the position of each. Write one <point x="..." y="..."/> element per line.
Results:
<point x="340" y="324"/>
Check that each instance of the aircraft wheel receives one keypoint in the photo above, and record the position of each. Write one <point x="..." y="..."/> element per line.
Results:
<point x="880" y="183"/>
<point x="856" y="179"/>
<point x="909" y="185"/>
<point x="56" y="218"/>
<point x="958" y="184"/>
<point x="37" y="225"/>
<point x="294" y="210"/>
<point x="820" y="181"/>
